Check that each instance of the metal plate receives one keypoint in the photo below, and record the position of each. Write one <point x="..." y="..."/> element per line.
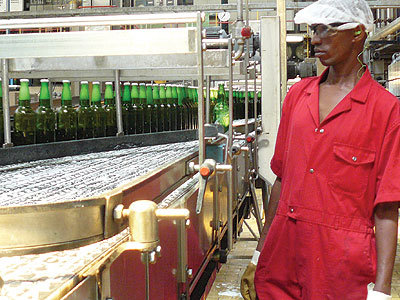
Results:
<point x="99" y="43"/>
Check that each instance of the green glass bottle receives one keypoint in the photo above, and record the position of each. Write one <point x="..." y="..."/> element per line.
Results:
<point x="222" y="109"/>
<point x="157" y="108"/>
<point x="181" y="108"/>
<point x="190" y="104"/>
<point x="45" y="116"/>
<point x="1" y="116"/>
<point x="24" y="117"/>
<point x="151" y="111"/>
<point x="137" y="109"/>
<point x="164" y="108"/>
<point x="186" y="108"/>
<point x="259" y="103"/>
<point x="99" y="114"/>
<point x="66" y="115"/>
<point x="195" y="107"/>
<point x="251" y="104"/>
<point x="109" y="108"/>
<point x="171" y="107"/>
<point x="242" y="105"/>
<point x="177" y="108"/>
<point x="143" y="104"/>
<point x="84" y="113"/>
<point x="127" y="110"/>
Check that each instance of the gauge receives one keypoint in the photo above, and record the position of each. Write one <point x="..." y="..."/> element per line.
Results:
<point x="224" y="16"/>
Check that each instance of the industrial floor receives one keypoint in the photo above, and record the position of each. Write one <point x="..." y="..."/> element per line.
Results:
<point x="227" y="284"/>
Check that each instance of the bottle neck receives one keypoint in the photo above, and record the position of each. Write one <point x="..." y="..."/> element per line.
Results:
<point x="109" y="101"/>
<point x="44" y="103"/>
<point x="66" y="102"/>
<point x="24" y="103"/>
<point x="84" y="102"/>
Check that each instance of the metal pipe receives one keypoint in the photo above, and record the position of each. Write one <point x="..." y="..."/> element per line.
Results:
<point x="208" y="83"/>
<point x="255" y="120"/>
<point x="384" y="32"/>
<point x="216" y="42"/>
<point x="6" y="105"/>
<point x="230" y="142"/>
<point x="230" y="133"/>
<point x="229" y="212"/>
<point x="200" y="67"/>
<point x="281" y="11"/>
<point x="147" y="273"/>
<point x="246" y="90"/>
<point x="118" y="105"/>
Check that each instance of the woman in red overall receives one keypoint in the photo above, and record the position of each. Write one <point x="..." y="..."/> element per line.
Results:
<point x="331" y="223"/>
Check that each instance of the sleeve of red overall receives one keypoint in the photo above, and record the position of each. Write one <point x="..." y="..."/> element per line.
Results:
<point x="388" y="177"/>
<point x="281" y="139"/>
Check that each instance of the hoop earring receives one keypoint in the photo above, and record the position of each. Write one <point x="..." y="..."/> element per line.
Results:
<point x="363" y="66"/>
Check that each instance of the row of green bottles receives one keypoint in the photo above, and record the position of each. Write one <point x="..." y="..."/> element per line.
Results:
<point x="155" y="108"/>
<point x="145" y="108"/>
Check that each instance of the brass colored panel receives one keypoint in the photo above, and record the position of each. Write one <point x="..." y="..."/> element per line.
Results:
<point x="86" y="290"/>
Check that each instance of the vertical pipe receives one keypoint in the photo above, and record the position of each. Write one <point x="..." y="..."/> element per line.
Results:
<point x="230" y="183"/>
<point x="208" y="83"/>
<point x="255" y="157"/>
<point x="147" y="271"/>
<point x="229" y="212"/>
<point x="6" y="104"/>
<point x="200" y="68"/>
<point x="118" y="105"/>
<point x="281" y="11"/>
<point x="246" y="90"/>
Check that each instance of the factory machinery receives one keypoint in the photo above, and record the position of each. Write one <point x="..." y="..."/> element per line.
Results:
<point x="144" y="216"/>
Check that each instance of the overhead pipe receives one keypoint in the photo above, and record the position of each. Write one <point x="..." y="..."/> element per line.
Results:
<point x="383" y="33"/>
<point x="237" y="33"/>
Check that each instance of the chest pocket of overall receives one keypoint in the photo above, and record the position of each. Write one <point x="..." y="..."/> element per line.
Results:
<point x="351" y="168"/>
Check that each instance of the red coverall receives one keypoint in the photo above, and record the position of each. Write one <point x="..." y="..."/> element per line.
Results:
<point x="321" y="244"/>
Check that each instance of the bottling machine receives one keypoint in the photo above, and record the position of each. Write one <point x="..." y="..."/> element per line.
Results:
<point x="146" y="216"/>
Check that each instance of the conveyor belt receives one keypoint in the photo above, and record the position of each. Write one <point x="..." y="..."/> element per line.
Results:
<point x="81" y="176"/>
<point x="38" y="276"/>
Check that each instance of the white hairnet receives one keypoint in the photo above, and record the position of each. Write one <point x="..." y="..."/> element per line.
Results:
<point x="354" y="12"/>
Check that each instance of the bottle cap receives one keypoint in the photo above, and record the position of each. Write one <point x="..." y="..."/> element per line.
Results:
<point x="66" y="81"/>
<point x="134" y="83"/>
<point x="109" y="83"/>
<point x="24" y="80"/>
<point x="44" y="80"/>
<point x="95" y="82"/>
<point x="127" y="83"/>
<point x="84" y="82"/>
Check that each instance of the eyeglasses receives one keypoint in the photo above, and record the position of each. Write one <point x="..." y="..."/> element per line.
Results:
<point x="325" y="30"/>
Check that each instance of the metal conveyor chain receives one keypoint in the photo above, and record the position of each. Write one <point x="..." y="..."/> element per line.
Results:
<point x="81" y="176"/>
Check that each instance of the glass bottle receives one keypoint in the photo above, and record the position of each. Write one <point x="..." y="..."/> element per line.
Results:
<point x="165" y="109"/>
<point x="259" y="103"/>
<point x="171" y="107"/>
<point x="84" y="113"/>
<point x="137" y="109"/>
<point x="181" y="107"/>
<point x="45" y="116"/>
<point x="143" y="104"/>
<point x="99" y="114"/>
<point x="24" y="117"/>
<point x="110" y="110"/>
<point x="66" y="115"/>
<point x="151" y="111"/>
<point x="157" y="108"/>
<point x="127" y="110"/>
